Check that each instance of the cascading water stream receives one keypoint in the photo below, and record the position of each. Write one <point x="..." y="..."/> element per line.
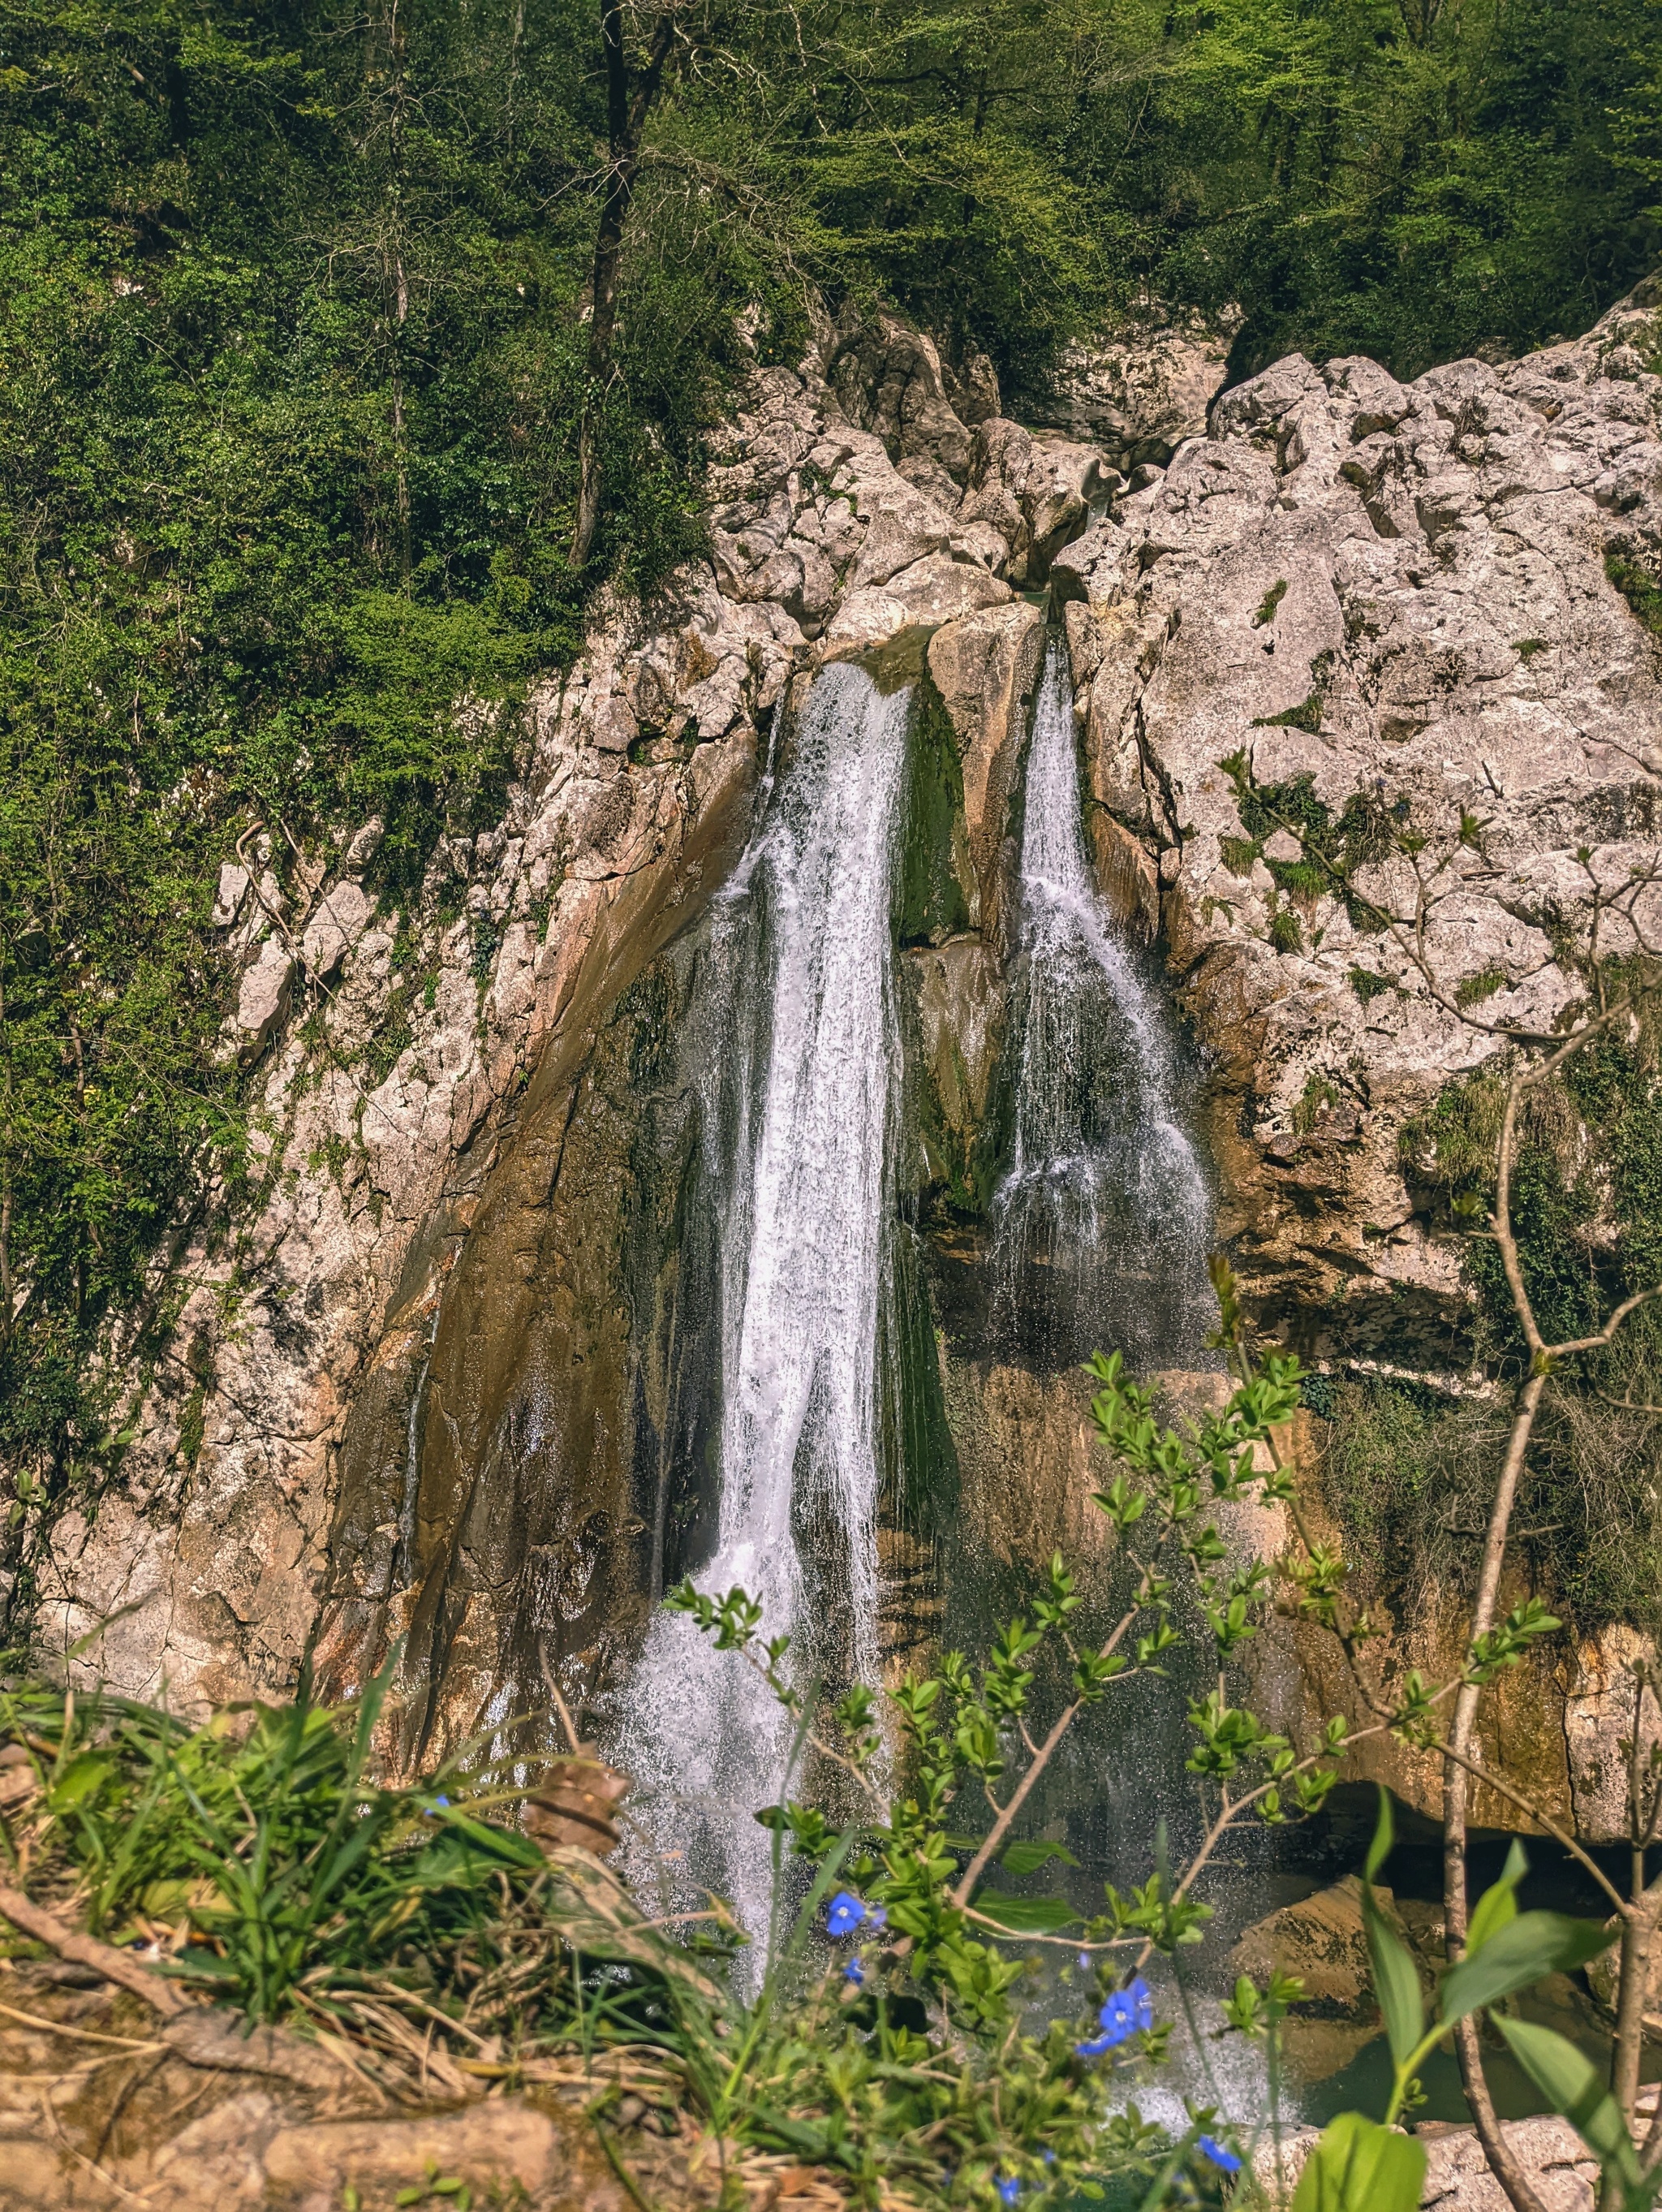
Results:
<point x="1102" y="1221"/>
<point x="800" y="1101"/>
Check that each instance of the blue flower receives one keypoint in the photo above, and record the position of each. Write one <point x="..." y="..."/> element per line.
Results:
<point x="1221" y="2156"/>
<point x="853" y="1971"/>
<point x="1008" y="2187"/>
<point x="877" y="1916"/>
<point x="1085" y="1960"/>
<point x="844" y="1914"/>
<point x="1127" y="2012"/>
<point x="1097" y="2045"/>
<point x="1118" y="2018"/>
<point x="1049" y="2157"/>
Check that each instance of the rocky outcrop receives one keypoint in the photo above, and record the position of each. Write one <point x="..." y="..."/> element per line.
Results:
<point x="1142" y="388"/>
<point x="393" y="1397"/>
<point x="401" y="1395"/>
<point x="1387" y="605"/>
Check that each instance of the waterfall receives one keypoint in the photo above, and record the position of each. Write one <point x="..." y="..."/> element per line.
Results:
<point x="800" y="1097"/>
<point x="1102" y="1220"/>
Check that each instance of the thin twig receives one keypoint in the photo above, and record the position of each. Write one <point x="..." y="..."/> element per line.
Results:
<point x="87" y="1951"/>
<point x="127" y="2042"/>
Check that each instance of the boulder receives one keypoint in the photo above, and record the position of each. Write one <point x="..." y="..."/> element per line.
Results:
<point x="972" y="386"/>
<point x="934" y="590"/>
<point x="230" y="895"/>
<point x="340" y="919"/>
<point x="985" y="667"/>
<point x="262" y="996"/>
<point x="1142" y="388"/>
<point x="1037" y="491"/>
<point x="1323" y="1940"/>
<point x="888" y="379"/>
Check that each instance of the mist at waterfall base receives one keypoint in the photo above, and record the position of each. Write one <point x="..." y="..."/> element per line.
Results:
<point x="798" y="1020"/>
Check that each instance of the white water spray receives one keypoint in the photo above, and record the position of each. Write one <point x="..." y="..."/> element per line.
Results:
<point x="1103" y="1219"/>
<point x="803" y="936"/>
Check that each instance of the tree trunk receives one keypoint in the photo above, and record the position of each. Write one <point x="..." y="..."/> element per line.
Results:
<point x="626" y="116"/>
<point x="1502" y="2163"/>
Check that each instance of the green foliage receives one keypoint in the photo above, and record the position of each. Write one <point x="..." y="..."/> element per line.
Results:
<point x="1408" y="1475"/>
<point x="281" y="1873"/>
<point x="1286" y="930"/>
<point x="1638" y="587"/>
<point x="1238" y="855"/>
<point x="1506" y="1951"/>
<point x="935" y="866"/>
<point x="1586" y="1200"/>
<point x="289" y="379"/>
<point x="1412" y="183"/>
<point x="1572" y="2085"/>
<point x="1357" y="2165"/>
<point x="1315" y="1099"/>
<point x="293" y="1883"/>
<point x="1332" y="848"/>
<point x="1473" y="990"/>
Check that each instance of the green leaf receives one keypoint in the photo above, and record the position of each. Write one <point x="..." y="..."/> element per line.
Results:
<point x="84" y="1778"/>
<point x="1018" y="1859"/>
<point x="1522" y="1953"/>
<point x="1357" y="2165"/>
<point x="1384" y="1835"/>
<point x="1026" y="1916"/>
<point x="1396" y="1977"/>
<point x="1572" y="2086"/>
<point x="1497" y="1908"/>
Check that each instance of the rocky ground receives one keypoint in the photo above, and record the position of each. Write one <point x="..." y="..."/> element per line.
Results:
<point x="100" y="2105"/>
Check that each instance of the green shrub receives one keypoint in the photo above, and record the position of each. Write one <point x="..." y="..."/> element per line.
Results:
<point x="1638" y="587"/>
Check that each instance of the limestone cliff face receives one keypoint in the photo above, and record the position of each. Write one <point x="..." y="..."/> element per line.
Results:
<point x="1387" y="600"/>
<point x="1397" y="594"/>
<point x="425" y="1386"/>
<point x="396" y="1397"/>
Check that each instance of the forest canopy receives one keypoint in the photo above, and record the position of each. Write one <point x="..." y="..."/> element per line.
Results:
<point x="295" y="376"/>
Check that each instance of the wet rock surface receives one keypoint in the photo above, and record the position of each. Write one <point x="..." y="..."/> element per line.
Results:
<point x="405" y="1395"/>
<point x="395" y="1398"/>
<point x="1398" y="593"/>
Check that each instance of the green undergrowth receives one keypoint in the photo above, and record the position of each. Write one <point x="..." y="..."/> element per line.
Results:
<point x="1408" y="1472"/>
<point x="273" y="1870"/>
<point x="279" y="1874"/>
<point x="1332" y="846"/>
<point x="1406" y="1466"/>
<point x="291" y="367"/>
<point x="1641" y="591"/>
